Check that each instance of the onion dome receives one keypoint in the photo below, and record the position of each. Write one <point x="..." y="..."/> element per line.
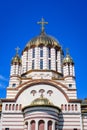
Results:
<point x="68" y="59"/>
<point x="43" y="39"/>
<point x="41" y="101"/>
<point x="16" y="59"/>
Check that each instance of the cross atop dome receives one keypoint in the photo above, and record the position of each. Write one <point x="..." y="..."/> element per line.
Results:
<point x="67" y="51"/>
<point x="42" y="22"/>
<point x="17" y="50"/>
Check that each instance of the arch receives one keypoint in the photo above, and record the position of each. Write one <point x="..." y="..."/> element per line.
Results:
<point x="56" y="126"/>
<point x="62" y="107"/>
<point x="68" y="107"/>
<point x="49" y="125"/>
<point x="13" y="106"/>
<point x="75" y="107"/>
<point x="16" y="107"/>
<point x="72" y="107"/>
<point x="41" y="125"/>
<point x="20" y="107"/>
<point x="65" y="107"/>
<point x="6" y="107"/>
<point x="43" y="81"/>
<point x="9" y="106"/>
<point x="32" y="125"/>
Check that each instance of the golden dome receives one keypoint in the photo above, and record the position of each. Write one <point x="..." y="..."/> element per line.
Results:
<point x="41" y="101"/>
<point x="68" y="59"/>
<point x="43" y="39"/>
<point x="16" y="59"/>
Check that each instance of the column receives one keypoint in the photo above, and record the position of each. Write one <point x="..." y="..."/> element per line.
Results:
<point x="36" y="57"/>
<point x="46" y="125"/>
<point x="29" y="126"/>
<point x="36" y="124"/>
<point x="59" y="61"/>
<point x="29" y="59"/>
<point x="53" y="59"/>
<point x="45" y="58"/>
<point x="53" y="125"/>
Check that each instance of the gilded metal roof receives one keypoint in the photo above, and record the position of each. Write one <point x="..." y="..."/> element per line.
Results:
<point x="68" y="59"/>
<point x="43" y="39"/>
<point x="41" y="101"/>
<point x="16" y="59"/>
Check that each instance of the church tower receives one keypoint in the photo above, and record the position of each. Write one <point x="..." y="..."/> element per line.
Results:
<point x="15" y="72"/>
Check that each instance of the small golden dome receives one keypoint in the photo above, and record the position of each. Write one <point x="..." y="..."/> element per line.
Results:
<point x="41" y="101"/>
<point x="68" y="59"/>
<point x="16" y="59"/>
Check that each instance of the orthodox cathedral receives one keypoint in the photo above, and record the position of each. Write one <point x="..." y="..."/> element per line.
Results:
<point x="42" y="93"/>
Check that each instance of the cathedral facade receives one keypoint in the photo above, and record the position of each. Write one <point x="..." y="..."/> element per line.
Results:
<point x="42" y="93"/>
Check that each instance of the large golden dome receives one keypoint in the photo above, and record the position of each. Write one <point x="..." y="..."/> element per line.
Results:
<point x="44" y="40"/>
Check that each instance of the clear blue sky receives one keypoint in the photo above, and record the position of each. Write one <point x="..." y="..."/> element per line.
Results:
<point x="67" y="23"/>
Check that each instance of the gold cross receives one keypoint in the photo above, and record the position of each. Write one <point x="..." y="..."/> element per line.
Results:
<point x="67" y="51"/>
<point x="42" y="22"/>
<point x="17" y="49"/>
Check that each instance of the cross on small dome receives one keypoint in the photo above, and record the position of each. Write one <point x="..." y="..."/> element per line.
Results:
<point x="17" y="50"/>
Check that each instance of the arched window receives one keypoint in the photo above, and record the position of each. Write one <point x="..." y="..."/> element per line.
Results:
<point x="41" y="51"/>
<point x="33" y="92"/>
<point x="49" y="125"/>
<point x="41" y="64"/>
<point x="72" y="107"/>
<point x="49" y="92"/>
<point x="49" y="64"/>
<point x="9" y="106"/>
<point x="56" y="126"/>
<point x="16" y="106"/>
<point x="13" y="85"/>
<point x="33" y="64"/>
<point x="62" y="107"/>
<point x="33" y="53"/>
<point x="41" y="125"/>
<point x="65" y="107"/>
<point x="13" y="106"/>
<point x="6" y="107"/>
<point x="49" y="52"/>
<point x="20" y="107"/>
<point x="69" y="107"/>
<point x="75" y="107"/>
<point x="32" y="125"/>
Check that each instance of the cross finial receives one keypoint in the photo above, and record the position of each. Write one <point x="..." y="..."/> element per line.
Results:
<point x="17" y="49"/>
<point x="67" y="51"/>
<point x="42" y="22"/>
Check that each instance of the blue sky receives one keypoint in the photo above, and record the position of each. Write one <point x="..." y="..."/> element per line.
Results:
<point x="67" y="22"/>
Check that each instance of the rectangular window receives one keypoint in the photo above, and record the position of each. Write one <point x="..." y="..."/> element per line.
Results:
<point x="41" y="52"/>
<point x="32" y="64"/>
<point x="41" y="64"/>
<point x="49" y="53"/>
<point x="6" y="128"/>
<point x="49" y="64"/>
<point x="33" y="53"/>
